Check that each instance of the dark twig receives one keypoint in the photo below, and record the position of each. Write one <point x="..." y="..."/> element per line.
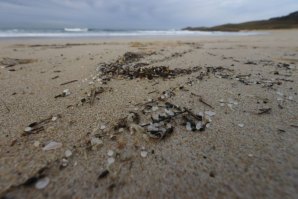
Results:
<point x="65" y="83"/>
<point x="202" y="100"/>
<point x="192" y="114"/>
<point x="264" y="111"/>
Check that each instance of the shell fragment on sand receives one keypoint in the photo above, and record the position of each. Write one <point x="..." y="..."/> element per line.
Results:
<point x="42" y="183"/>
<point x="52" y="146"/>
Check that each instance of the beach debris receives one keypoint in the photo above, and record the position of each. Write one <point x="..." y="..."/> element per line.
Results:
<point x="110" y="153"/>
<point x="65" y="93"/>
<point x="36" y="127"/>
<point x="52" y="146"/>
<point x="144" y="153"/>
<point x="68" y="153"/>
<point x="55" y="77"/>
<point x="264" y="111"/>
<point x="202" y="100"/>
<point x="250" y="63"/>
<point x="93" y="93"/>
<point x="42" y="183"/>
<point x="163" y="120"/>
<point x="103" y="127"/>
<point x="64" y="163"/>
<point x="69" y="82"/>
<point x="103" y="174"/>
<point x="9" y="62"/>
<point x="125" y="67"/>
<point x="241" y="125"/>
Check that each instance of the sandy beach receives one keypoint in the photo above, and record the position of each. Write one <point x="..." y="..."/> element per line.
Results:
<point x="183" y="117"/>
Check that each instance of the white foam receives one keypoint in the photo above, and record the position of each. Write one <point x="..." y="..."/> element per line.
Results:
<point x="84" y="32"/>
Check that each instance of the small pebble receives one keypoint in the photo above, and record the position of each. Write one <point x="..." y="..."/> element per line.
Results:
<point x="42" y="183"/>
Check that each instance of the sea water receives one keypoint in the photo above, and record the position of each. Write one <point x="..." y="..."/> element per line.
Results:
<point x="85" y="32"/>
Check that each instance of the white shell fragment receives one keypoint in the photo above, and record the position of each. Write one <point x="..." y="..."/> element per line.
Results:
<point x="54" y="118"/>
<point x="64" y="162"/>
<point x="169" y="112"/>
<point x="102" y="127"/>
<point x="199" y="125"/>
<point x="52" y="146"/>
<point x="42" y="183"/>
<point x="28" y="129"/>
<point x="241" y="125"/>
<point x="144" y="154"/>
<point x="110" y="153"/>
<point x="66" y="92"/>
<point x="210" y="113"/>
<point x="67" y="153"/>
<point x="188" y="126"/>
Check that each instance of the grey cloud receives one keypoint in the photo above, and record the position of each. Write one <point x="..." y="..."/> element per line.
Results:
<point x="138" y="13"/>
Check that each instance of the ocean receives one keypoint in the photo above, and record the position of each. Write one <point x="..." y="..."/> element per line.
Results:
<point x="85" y="32"/>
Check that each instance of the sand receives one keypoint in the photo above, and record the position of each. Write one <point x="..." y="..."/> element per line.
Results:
<point x="242" y="154"/>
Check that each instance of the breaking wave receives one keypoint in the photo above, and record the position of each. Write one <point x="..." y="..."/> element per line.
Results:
<point x="85" y="32"/>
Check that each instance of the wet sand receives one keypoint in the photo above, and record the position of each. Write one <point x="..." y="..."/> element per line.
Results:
<point x="249" y="149"/>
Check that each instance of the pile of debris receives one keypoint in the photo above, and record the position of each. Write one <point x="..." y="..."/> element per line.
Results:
<point x="158" y="118"/>
<point x="126" y="67"/>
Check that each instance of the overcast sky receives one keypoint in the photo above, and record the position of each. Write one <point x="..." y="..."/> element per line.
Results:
<point x="145" y="14"/>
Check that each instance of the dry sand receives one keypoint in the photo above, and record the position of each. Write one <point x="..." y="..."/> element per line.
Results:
<point x="257" y="160"/>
